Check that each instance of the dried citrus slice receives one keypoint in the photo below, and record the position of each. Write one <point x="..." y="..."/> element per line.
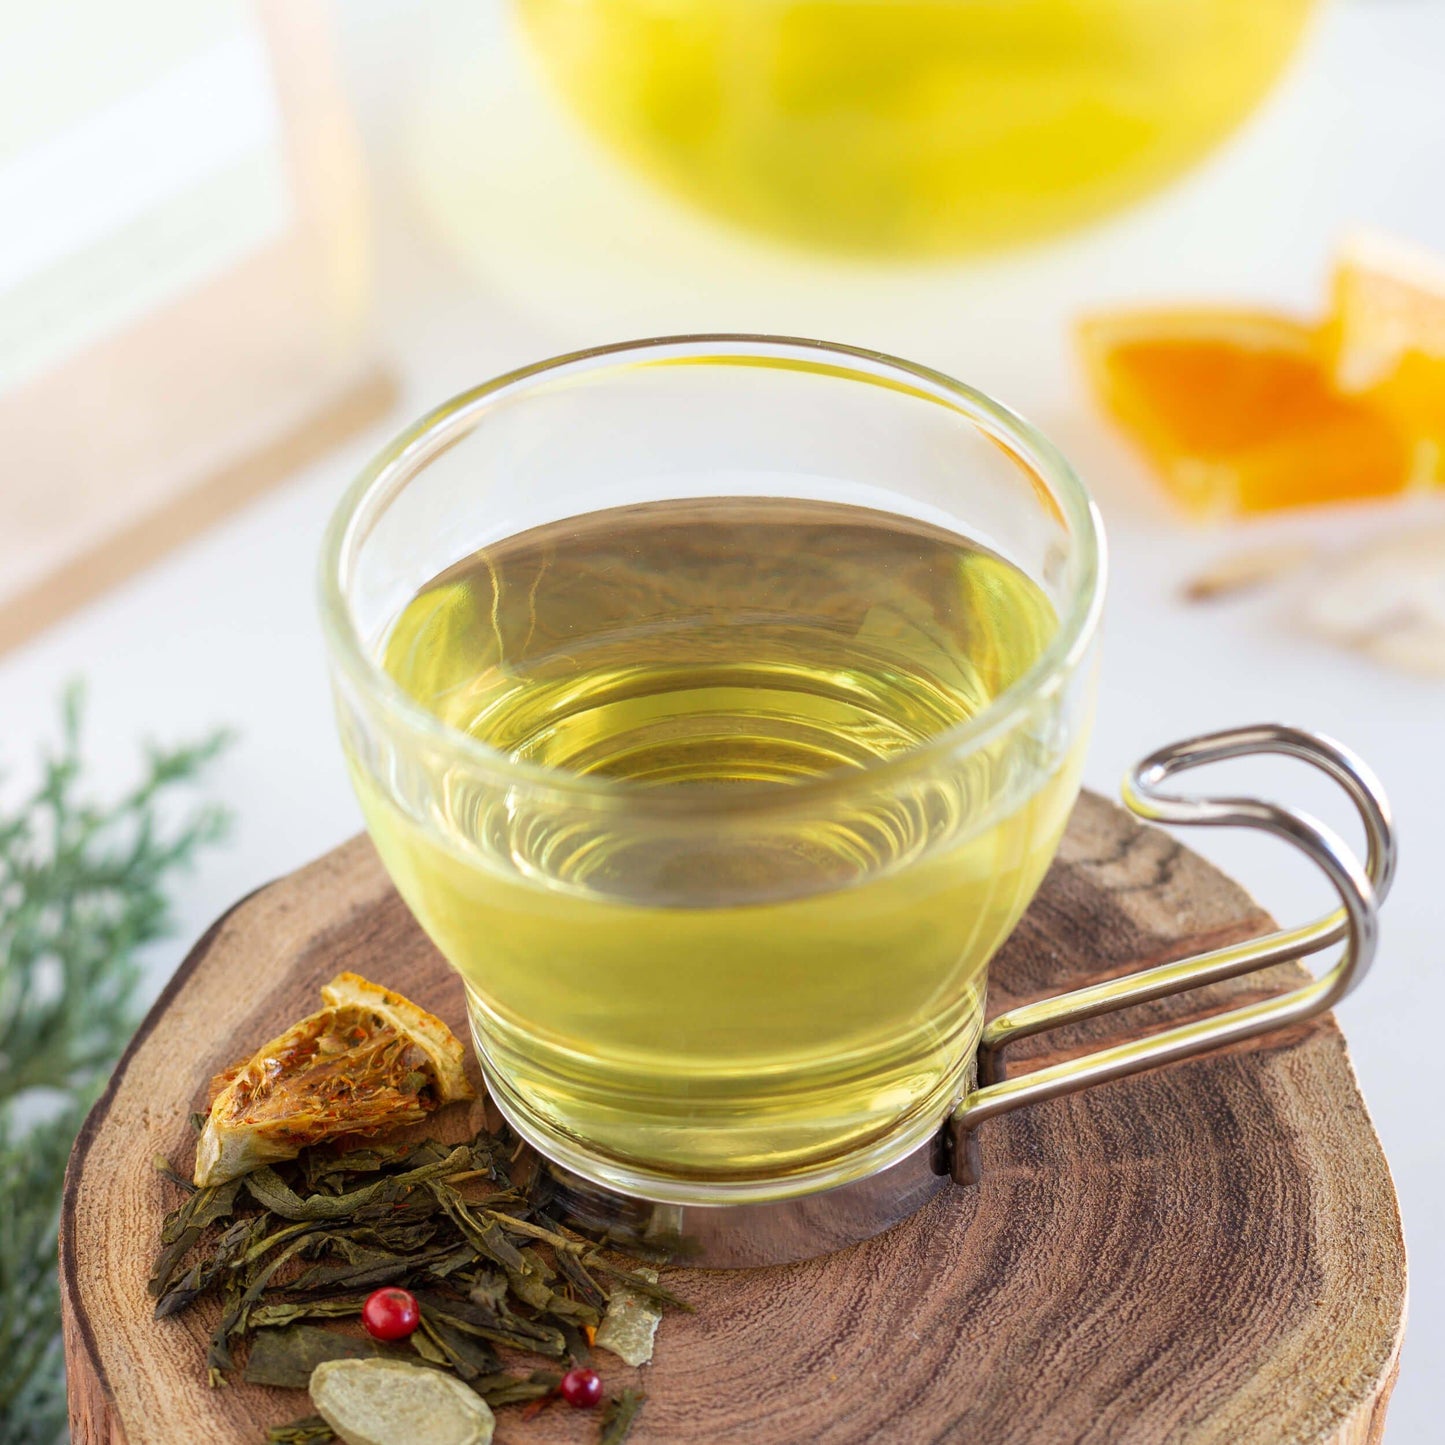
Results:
<point x="1237" y="412"/>
<point x="1386" y="337"/>
<point x="1387" y="598"/>
<point x="369" y="1060"/>
<point x="630" y="1324"/>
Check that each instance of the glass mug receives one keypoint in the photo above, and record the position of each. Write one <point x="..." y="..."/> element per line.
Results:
<point x="717" y="705"/>
<point x="921" y="127"/>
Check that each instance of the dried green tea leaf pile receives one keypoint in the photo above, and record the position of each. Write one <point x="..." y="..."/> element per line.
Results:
<point x="292" y="1251"/>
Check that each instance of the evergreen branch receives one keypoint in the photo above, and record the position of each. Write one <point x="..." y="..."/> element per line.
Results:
<point x="83" y="887"/>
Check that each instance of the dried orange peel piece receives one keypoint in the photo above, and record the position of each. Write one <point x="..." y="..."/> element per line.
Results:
<point x="1386" y="337"/>
<point x="370" y="1060"/>
<point x="1237" y="410"/>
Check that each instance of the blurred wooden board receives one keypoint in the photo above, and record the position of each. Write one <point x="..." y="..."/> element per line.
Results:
<point x="1211" y="1252"/>
<point x="184" y="318"/>
<point x="192" y="505"/>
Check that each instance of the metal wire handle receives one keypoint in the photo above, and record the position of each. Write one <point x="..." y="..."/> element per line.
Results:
<point x="1356" y="922"/>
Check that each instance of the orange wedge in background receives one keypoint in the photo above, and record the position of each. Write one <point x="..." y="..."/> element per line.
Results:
<point x="1386" y="338"/>
<point x="1238" y="411"/>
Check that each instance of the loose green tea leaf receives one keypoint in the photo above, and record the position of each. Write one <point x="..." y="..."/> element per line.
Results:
<point x="461" y="1257"/>
<point x="324" y="1167"/>
<point x="488" y="1291"/>
<point x="461" y="1346"/>
<point x="480" y="1316"/>
<point x="266" y="1239"/>
<point x="537" y="1265"/>
<point x="573" y="1312"/>
<point x="588" y="1289"/>
<point x="272" y="1192"/>
<point x="285" y="1358"/>
<point x="639" y="1284"/>
<point x="239" y="1302"/>
<point x="484" y="1234"/>
<point x="357" y="1251"/>
<point x="205" y="1206"/>
<point x="309" y="1430"/>
<point x="183" y="1293"/>
<point x="529" y="1283"/>
<point x="424" y="1341"/>
<point x="260" y="1278"/>
<point x="538" y="1184"/>
<point x="560" y="1242"/>
<point x="275" y="1316"/>
<point x="293" y="1246"/>
<point x="163" y="1167"/>
<point x="184" y="1226"/>
<point x="517" y="1389"/>
<point x="369" y="1276"/>
<point x="219" y="1358"/>
<point x="579" y="1348"/>
<point x="400" y="1234"/>
<point x="619" y="1415"/>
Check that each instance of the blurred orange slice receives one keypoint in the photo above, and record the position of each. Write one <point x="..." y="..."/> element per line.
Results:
<point x="1237" y="410"/>
<point x="1386" y="338"/>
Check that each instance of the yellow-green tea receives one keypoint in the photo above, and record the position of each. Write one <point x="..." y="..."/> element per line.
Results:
<point x="761" y="945"/>
<point x="925" y="126"/>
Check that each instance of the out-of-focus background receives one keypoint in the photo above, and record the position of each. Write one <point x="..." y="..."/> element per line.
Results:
<point x="240" y="244"/>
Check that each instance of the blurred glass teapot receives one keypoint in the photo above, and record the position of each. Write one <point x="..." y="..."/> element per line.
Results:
<point x="913" y="127"/>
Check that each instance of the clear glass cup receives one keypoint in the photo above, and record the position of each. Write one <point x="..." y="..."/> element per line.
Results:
<point x="741" y="1002"/>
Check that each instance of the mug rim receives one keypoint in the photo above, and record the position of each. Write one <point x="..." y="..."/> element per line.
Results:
<point x="443" y="426"/>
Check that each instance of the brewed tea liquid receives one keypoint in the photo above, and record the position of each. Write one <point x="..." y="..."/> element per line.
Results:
<point x="763" y="948"/>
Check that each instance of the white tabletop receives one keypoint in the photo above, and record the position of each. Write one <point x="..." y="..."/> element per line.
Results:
<point x="481" y="267"/>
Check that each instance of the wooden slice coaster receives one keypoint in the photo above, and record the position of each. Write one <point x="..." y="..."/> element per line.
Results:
<point x="1210" y="1252"/>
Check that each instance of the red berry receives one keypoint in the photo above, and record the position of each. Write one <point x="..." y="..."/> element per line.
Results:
<point x="582" y="1389"/>
<point x="390" y="1314"/>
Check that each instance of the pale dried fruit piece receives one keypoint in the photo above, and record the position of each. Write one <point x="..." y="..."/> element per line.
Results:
<point x="1411" y="649"/>
<point x="388" y="1402"/>
<point x="370" y="1060"/>
<point x="1241" y="571"/>
<point x="1386" y="337"/>
<point x="1387" y="598"/>
<point x="630" y="1324"/>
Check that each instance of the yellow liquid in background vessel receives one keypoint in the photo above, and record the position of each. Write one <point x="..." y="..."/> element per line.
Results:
<point x="922" y="127"/>
<point x="759" y="994"/>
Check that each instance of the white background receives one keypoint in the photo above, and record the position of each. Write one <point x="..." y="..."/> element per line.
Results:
<point x="503" y="238"/>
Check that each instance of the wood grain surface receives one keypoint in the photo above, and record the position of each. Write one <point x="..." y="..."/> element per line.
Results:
<point x="1210" y="1252"/>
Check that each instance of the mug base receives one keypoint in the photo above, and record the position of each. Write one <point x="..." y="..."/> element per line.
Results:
<point x="747" y="1236"/>
<point x="741" y="1233"/>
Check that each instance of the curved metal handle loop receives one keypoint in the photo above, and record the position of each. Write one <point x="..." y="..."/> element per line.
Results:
<point x="1361" y="890"/>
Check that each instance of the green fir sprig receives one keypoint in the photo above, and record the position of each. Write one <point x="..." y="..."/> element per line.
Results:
<point x="83" y="887"/>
